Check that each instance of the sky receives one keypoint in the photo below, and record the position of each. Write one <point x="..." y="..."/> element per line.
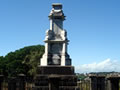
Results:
<point x="93" y="28"/>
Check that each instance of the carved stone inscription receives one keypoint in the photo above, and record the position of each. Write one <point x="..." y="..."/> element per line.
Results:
<point x="56" y="48"/>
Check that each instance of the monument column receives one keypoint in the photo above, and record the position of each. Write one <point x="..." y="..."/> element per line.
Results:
<point x="55" y="71"/>
<point x="56" y="40"/>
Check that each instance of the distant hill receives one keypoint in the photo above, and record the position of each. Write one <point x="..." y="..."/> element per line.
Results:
<point x="24" y="60"/>
<point x="103" y="73"/>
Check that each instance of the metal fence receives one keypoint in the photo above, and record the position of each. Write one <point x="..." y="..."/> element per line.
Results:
<point x="16" y="83"/>
<point x="6" y="84"/>
<point x="81" y="85"/>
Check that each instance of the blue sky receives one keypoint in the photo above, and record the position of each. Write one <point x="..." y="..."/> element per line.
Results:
<point x="93" y="27"/>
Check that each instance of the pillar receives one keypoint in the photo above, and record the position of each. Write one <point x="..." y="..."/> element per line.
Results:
<point x="21" y="82"/>
<point x="1" y="81"/>
<point x="93" y="83"/>
<point x="63" y="62"/>
<point x="97" y="82"/>
<point x="12" y="83"/>
<point x="100" y="83"/>
<point x="113" y="84"/>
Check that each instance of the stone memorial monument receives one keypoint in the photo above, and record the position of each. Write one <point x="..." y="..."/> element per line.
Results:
<point x="56" y="40"/>
<point x="55" y="71"/>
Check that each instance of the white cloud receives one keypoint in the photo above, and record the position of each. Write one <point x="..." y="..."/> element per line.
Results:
<point x="104" y="66"/>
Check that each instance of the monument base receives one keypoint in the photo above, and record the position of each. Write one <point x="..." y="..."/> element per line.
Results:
<point x="55" y="78"/>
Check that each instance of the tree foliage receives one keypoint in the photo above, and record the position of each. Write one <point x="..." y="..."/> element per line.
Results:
<point x="23" y="61"/>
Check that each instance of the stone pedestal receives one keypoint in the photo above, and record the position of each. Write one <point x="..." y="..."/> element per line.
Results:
<point x="55" y="78"/>
<point x="56" y="70"/>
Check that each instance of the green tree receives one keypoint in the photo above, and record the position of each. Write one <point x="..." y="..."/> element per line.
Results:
<point x="24" y="60"/>
<point x="2" y="65"/>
